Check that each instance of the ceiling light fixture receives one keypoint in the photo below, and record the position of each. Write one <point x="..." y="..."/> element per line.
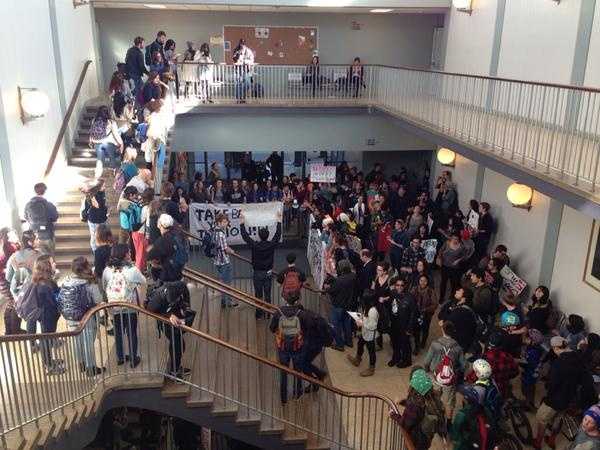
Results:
<point x="520" y="195"/>
<point x="381" y="10"/>
<point x="463" y="5"/>
<point x="446" y="157"/>
<point x="154" y="6"/>
<point x="33" y="102"/>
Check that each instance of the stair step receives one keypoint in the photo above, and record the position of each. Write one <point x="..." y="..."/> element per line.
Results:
<point x="60" y="420"/>
<point x="247" y="421"/>
<point x="82" y="152"/>
<point x="297" y="439"/>
<point x="225" y="411"/>
<point x="46" y="431"/>
<point x="82" y="162"/>
<point x="72" y="249"/>
<point x="175" y="390"/>
<point x="273" y="428"/>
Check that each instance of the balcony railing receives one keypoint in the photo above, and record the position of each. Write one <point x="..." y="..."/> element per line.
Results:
<point x="547" y="128"/>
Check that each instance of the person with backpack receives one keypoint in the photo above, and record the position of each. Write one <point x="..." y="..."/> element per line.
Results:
<point x="35" y="303"/>
<point x="127" y="170"/>
<point x="423" y="415"/>
<point x="342" y="294"/>
<point x="368" y="326"/>
<point x="445" y="360"/>
<point x="473" y="427"/>
<point x="149" y="226"/>
<point x="172" y="300"/>
<point x="217" y="248"/>
<point x="78" y="294"/>
<point x="289" y="328"/>
<point x="504" y="366"/>
<point x="291" y="278"/>
<point x="123" y="282"/>
<point x="492" y="398"/>
<point x="130" y="214"/>
<point x="170" y="253"/>
<point x="262" y="259"/>
<point x="458" y="311"/>
<point x="531" y="363"/>
<point x="94" y="210"/>
<point x="106" y="139"/>
<point x="41" y="215"/>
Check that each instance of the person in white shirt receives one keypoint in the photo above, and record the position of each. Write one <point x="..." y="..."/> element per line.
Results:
<point x="243" y="57"/>
<point x="142" y="181"/>
<point x="368" y="325"/>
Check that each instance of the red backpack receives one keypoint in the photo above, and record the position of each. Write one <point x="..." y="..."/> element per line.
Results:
<point x="444" y="372"/>
<point x="291" y="283"/>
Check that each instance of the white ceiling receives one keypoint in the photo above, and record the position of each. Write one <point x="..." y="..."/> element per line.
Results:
<point x="300" y="6"/>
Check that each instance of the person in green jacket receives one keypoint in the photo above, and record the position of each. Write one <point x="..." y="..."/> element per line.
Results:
<point x="471" y="428"/>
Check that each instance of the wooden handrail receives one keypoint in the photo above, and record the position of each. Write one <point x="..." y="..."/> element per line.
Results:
<point x="247" y="260"/>
<point x="106" y="306"/>
<point x="65" y="122"/>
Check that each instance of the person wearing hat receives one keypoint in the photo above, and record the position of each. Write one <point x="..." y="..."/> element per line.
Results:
<point x="423" y="414"/>
<point x="568" y="382"/>
<point x="504" y="366"/>
<point x="473" y="425"/>
<point x="588" y="437"/>
<point x="532" y="361"/>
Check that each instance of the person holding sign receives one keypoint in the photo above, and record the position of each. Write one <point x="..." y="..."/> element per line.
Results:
<point x="262" y="259"/>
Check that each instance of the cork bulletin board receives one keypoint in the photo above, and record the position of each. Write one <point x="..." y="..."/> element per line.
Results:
<point x="273" y="45"/>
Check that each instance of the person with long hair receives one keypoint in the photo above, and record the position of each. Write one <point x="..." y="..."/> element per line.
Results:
<point x="94" y="209"/>
<point x="106" y="139"/>
<point x="312" y="75"/>
<point x="43" y="288"/>
<point x="78" y="294"/>
<point x="171" y="61"/>
<point x="538" y="311"/>
<point x="205" y="71"/>
<point x="368" y="333"/>
<point x="123" y="282"/>
<point x="9" y="244"/>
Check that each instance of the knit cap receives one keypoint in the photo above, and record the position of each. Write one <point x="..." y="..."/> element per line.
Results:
<point x="594" y="413"/>
<point x="421" y="382"/>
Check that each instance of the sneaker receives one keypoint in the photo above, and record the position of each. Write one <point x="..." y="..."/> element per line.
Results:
<point x="368" y="372"/>
<point x="120" y="362"/>
<point x="391" y="363"/>
<point x="353" y="360"/>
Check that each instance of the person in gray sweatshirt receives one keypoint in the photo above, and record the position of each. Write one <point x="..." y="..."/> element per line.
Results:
<point x="446" y="372"/>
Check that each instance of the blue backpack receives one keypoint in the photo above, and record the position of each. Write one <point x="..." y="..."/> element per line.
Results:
<point x="141" y="132"/>
<point x="208" y="244"/>
<point x="182" y="253"/>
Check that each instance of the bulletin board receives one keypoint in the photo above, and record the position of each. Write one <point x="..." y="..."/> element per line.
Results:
<point x="273" y="45"/>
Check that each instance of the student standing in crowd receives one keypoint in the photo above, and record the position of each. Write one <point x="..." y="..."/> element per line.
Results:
<point x="41" y="215"/>
<point x="221" y="258"/>
<point x="134" y="63"/>
<point x="94" y="209"/>
<point x="342" y="290"/>
<point x="263" y="252"/>
<point x="368" y="332"/>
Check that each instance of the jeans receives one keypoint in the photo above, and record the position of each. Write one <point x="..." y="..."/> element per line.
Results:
<point x="126" y="322"/>
<point x="106" y="153"/>
<point x="284" y="358"/>
<point x="241" y="87"/>
<point x="138" y="85"/>
<point x="84" y="343"/>
<point x="225" y="272"/>
<point x="342" y="324"/>
<point x="360" y="349"/>
<point x="93" y="226"/>
<point x="48" y="325"/>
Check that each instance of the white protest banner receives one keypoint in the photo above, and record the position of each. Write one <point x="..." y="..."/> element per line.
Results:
<point x="430" y="247"/>
<point x="511" y="282"/>
<point x="256" y="215"/>
<point x="315" y="254"/>
<point x="320" y="173"/>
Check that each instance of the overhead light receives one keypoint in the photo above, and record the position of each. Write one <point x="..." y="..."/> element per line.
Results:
<point x="381" y="10"/>
<point x="520" y="195"/>
<point x="154" y="6"/>
<point x="34" y="104"/>
<point x="446" y="157"/>
<point x="463" y="5"/>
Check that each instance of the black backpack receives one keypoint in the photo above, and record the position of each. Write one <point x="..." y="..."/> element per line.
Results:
<point x="38" y="214"/>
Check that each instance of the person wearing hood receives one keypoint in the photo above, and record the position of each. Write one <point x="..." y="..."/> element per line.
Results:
<point x="41" y="215"/>
<point x="289" y="325"/>
<point x="588" y="437"/>
<point x="130" y="214"/>
<point x="78" y="294"/>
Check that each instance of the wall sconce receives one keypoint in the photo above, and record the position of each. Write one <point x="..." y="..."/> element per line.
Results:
<point x="34" y="104"/>
<point x="446" y="157"/>
<point x="463" y="5"/>
<point x="520" y="195"/>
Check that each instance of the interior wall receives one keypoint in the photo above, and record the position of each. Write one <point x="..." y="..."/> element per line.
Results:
<point x="28" y="146"/>
<point x="292" y="132"/>
<point x="592" y="75"/>
<point x="392" y="39"/>
<point x="568" y="289"/>
<point x="538" y="40"/>
<point x="413" y="161"/>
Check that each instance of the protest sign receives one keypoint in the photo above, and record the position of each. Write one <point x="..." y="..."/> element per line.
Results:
<point x="320" y="173"/>
<point x="256" y="215"/>
<point x="315" y="254"/>
<point x="430" y="247"/>
<point x="511" y="282"/>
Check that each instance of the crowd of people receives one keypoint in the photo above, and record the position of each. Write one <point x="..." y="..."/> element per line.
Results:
<point x="396" y="258"/>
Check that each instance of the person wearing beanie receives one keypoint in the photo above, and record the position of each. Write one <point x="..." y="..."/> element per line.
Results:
<point x="424" y="414"/>
<point x="588" y="437"/>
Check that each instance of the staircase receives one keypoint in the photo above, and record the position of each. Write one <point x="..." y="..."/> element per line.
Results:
<point x="232" y="388"/>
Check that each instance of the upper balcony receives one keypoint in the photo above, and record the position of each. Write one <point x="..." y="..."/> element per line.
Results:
<point x="540" y="133"/>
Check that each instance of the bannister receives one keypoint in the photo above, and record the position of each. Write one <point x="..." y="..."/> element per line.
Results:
<point x="222" y="373"/>
<point x="65" y="122"/>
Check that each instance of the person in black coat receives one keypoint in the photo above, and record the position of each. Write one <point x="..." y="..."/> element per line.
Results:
<point x="403" y="312"/>
<point x="157" y="46"/>
<point x="262" y="259"/>
<point x="134" y="63"/>
<point x="163" y="253"/>
<point x="458" y="311"/>
<point x="342" y="292"/>
<point x="367" y="271"/>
